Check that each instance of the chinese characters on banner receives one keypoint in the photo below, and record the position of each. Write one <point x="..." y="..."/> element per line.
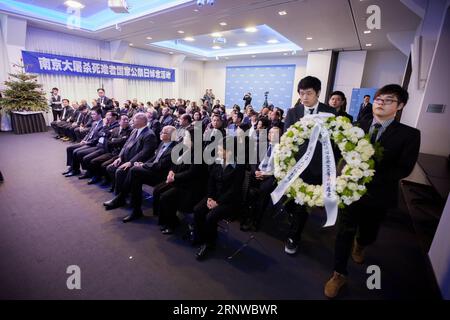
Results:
<point x="37" y="62"/>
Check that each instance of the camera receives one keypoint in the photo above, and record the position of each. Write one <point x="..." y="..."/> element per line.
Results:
<point x="266" y="93"/>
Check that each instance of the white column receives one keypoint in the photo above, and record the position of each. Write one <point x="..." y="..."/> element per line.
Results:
<point x="318" y="65"/>
<point x="14" y="34"/>
<point x="349" y="72"/>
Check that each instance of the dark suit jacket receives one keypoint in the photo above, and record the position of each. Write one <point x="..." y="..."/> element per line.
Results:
<point x="107" y="102"/>
<point x="294" y="114"/>
<point x="141" y="149"/>
<point x="116" y="140"/>
<point x="106" y="132"/>
<point x="67" y="114"/>
<point x="162" y="166"/>
<point x="401" y="145"/>
<point x="225" y="185"/>
<point x="94" y="134"/>
<point x="364" y="112"/>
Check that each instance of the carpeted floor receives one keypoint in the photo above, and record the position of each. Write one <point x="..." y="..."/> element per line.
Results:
<point x="49" y="222"/>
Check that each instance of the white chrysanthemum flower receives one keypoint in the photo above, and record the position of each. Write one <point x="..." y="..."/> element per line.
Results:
<point x="353" y="158"/>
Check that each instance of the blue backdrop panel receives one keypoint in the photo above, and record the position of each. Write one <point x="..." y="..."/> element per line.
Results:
<point x="358" y="98"/>
<point x="278" y="80"/>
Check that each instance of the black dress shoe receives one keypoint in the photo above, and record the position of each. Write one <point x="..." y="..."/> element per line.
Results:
<point x="67" y="171"/>
<point x="132" y="217"/>
<point x="84" y="176"/>
<point x="93" y="180"/>
<point x="57" y="137"/>
<point x="114" y="203"/>
<point x="167" y="231"/>
<point x="203" y="252"/>
<point x="111" y="189"/>
<point x="72" y="173"/>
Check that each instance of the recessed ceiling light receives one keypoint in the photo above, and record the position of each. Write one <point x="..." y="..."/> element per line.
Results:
<point x="367" y="31"/>
<point x="74" y="4"/>
<point x="131" y="44"/>
<point x="251" y="29"/>
<point x="272" y="41"/>
<point x="282" y="13"/>
<point x="223" y="23"/>
<point x="253" y="56"/>
<point x="226" y="58"/>
<point x="241" y="44"/>
<point x="149" y="38"/>
<point x="180" y="31"/>
<point x="368" y="44"/>
<point x="190" y="39"/>
<point x="170" y="52"/>
<point x="309" y="38"/>
<point x="216" y="34"/>
<point x="320" y="48"/>
<point x="285" y="53"/>
<point x="216" y="47"/>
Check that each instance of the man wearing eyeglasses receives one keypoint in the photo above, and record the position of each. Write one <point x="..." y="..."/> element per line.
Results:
<point x="358" y="224"/>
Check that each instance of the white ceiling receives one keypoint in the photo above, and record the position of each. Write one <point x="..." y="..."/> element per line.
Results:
<point x="332" y="24"/>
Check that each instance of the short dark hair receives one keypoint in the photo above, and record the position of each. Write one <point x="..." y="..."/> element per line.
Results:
<point x="265" y="122"/>
<point x="344" y="99"/>
<point x="55" y="89"/>
<point x="101" y="89"/>
<point x="97" y="110"/>
<point x="396" y="90"/>
<point x="66" y="100"/>
<point x="82" y="107"/>
<point x="186" y="117"/>
<point x="114" y="114"/>
<point x="240" y="115"/>
<point x="309" y="82"/>
<point x="367" y="96"/>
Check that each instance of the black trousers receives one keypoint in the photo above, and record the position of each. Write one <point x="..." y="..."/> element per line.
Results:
<point x="158" y="190"/>
<point x="78" y="155"/>
<point x="70" y="150"/>
<point x="360" y="220"/>
<point x="89" y="157"/>
<point x="298" y="216"/>
<point x="56" y="114"/>
<point x="137" y="177"/>
<point x="98" y="165"/>
<point x="174" y="199"/>
<point x="55" y="125"/>
<point x="205" y="220"/>
<point x="259" y="198"/>
<point x="80" y="133"/>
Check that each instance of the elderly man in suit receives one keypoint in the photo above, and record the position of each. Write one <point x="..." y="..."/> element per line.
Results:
<point x="140" y="146"/>
<point x="358" y="224"/>
<point x="88" y="141"/>
<point x="152" y="172"/>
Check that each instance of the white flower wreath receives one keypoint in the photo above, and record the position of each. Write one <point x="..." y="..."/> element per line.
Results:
<point x="356" y="151"/>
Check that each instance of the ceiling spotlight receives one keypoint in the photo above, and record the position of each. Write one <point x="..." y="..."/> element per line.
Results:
<point x="272" y="41"/>
<point x="226" y="58"/>
<point x="282" y="13"/>
<point x="195" y="10"/>
<point x="180" y="31"/>
<point x="223" y="23"/>
<point x="216" y="34"/>
<point x="74" y="4"/>
<point x="253" y="56"/>
<point x="216" y="47"/>
<point x="170" y="52"/>
<point x="217" y="58"/>
<point x="241" y="44"/>
<point x="368" y="44"/>
<point x="320" y="48"/>
<point x="149" y="38"/>
<point x="190" y="39"/>
<point x="285" y="53"/>
<point x="251" y="29"/>
<point x="309" y="38"/>
<point x="367" y="31"/>
<point x="130" y="44"/>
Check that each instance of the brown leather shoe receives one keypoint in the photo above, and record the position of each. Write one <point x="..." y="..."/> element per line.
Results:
<point x="335" y="284"/>
<point x="358" y="253"/>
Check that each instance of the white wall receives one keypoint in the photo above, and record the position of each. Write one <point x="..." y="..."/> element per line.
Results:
<point x="349" y="72"/>
<point x="215" y="73"/>
<point x="318" y="65"/>
<point x="383" y="67"/>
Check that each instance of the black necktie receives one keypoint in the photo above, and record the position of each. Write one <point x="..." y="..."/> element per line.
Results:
<point x="373" y="137"/>
<point x="311" y="111"/>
